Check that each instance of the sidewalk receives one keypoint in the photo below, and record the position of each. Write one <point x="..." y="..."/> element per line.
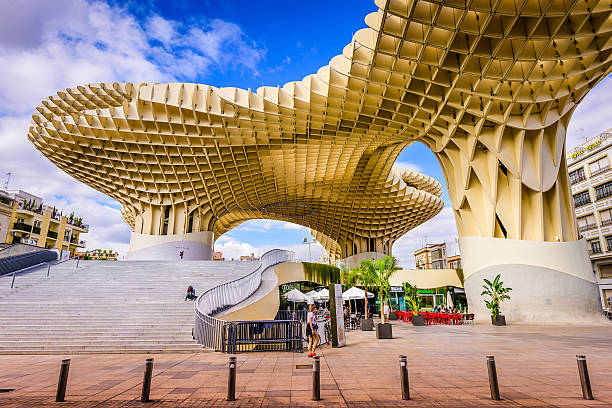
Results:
<point x="536" y="366"/>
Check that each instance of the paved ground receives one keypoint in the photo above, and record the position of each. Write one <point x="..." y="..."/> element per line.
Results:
<point x="536" y="367"/>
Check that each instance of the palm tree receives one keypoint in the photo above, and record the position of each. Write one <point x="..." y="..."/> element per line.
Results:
<point x="366" y="274"/>
<point x="349" y="278"/>
<point x="384" y="267"/>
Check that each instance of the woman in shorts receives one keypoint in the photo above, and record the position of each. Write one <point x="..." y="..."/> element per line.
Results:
<point x="311" y="330"/>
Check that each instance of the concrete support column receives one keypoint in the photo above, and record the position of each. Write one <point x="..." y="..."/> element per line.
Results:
<point x="194" y="246"/>
<point x="550" y="281"/>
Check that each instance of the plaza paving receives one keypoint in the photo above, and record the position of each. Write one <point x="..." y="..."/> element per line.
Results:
<point x="536" y="367"/>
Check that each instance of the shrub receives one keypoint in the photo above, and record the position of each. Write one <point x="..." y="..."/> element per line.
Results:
<point x="321" y="273"/>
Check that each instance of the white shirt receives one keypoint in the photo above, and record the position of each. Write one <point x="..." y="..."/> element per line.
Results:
<point x="311" y="319"/>
<point x="386" y="309"/>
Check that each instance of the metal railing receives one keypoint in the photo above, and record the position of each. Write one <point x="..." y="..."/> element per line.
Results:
<point x="299" y="315"/>
<point x="49" y="265"/>
<point x="266" y="335"/>
<point x="208" y="330"/>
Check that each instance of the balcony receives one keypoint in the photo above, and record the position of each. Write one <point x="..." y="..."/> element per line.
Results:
<point x="599" y="171"/>
<point x="80" y="243"/>
<point x="606" y="222"/>
<point x="595" y="251"/>
<point x="22" y="227"/>
<point x="52" y="235"/>
<point x="587" y="227"/>
<point x="577" y="179"/>
<point x="36" y="230"/>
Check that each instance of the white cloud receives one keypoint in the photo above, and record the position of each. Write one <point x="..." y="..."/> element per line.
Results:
<point x="48" y="46"/>
<point x="592" y="116"/>
<point x="408" y="165"/>
<point x="441" y="228"/>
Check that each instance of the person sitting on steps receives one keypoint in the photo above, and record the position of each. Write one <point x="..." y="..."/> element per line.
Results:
<point x="191" y="294"/>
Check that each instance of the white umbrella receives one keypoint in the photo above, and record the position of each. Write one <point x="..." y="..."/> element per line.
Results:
<point x="295" y="295"/>
<point x="321" y="296"/>
<point x="449" y="300"/>
<point x="311" y="293"/>
<point x="355" y="293"/>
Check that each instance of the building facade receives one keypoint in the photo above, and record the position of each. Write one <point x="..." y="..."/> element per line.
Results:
<point x="591" y="181"/>
<point x="454" y="262"/>
<point x="432" y="256"/>
<point x="32" y="222"/>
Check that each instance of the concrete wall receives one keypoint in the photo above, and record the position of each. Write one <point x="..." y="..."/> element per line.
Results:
<point x="195" y="246"/>
<point x="550" y="281"/>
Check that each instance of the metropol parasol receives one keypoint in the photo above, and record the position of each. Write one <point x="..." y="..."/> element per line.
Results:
<point x="488" y="86"/>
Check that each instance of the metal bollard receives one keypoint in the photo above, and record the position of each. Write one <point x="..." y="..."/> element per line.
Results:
<point x="231" y="380"/>
<point x="48" y="269"/>
<point x="493" y="378"/>
<point x="13" y="281"/>
<point x="316" y="379"/>
<point x="60" y="396"/>
<point x="146" y="381"/>
<point x="585" y="382"/>
<point x="77" y="264"/>
<point x="404" y="375"/>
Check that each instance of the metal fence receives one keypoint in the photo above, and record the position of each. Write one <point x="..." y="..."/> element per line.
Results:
<point x="208" y="330"/>
<point x="299" y="315"/>
<point x="266" y="335"/>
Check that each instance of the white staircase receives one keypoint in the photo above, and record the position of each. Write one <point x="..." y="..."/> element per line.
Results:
<point x="107" y="306"/>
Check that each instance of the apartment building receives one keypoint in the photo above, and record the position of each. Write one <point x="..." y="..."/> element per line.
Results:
<point x="591" y="184"/>
<point x="432" y="256"/>
<point x="32" y="222"/>
<point x="454" y="262"/>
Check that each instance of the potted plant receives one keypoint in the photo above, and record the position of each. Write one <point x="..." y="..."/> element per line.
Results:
<point x="411" y="294"/>
<point x="384" y="267"/>
<point x="367" y="277"/>
<point x="496" y="291"/>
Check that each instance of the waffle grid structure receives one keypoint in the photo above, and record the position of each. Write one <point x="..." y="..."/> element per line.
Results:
<point x="488" y="86"/>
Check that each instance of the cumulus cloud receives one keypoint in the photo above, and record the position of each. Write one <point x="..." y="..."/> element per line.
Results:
<point x="592" y="116"/>
<point x="49" y="46"/>
<point x="441" y="228"/>
<point x="409" y="166"/>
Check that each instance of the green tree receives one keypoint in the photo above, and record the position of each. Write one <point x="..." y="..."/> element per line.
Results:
<point x="383" y="269"/>
<point x="496" y="291"/>
<point x="349" y="278"/>
<point x="366" y="274"/>
<point x="411" y="294"/>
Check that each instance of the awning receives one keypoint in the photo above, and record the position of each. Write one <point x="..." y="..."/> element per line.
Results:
<point x="426" y="278"/>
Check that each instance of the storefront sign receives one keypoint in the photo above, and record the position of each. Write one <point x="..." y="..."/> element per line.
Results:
<point x="397" y="289"/>
<point x="586" y="149"/>
<point x="290" y="286"/>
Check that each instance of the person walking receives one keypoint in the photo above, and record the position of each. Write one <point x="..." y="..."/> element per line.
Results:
<point x="386" y="311"/>
<point x="311" y="331"/>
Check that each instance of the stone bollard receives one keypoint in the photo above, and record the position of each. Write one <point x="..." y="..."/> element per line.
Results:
<point x="146" y="381"/>
<point x="60" y="396"/>
<point x="585" y="382"/>
<point x="231" y="380"/>
<point x="404" y="376"/>
<point x="493" y="378"/>
<point x="316" y="379"/>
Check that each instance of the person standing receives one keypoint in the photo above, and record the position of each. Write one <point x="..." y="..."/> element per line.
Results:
<point x="311" y="331"/>
<point x="386" y="311"/>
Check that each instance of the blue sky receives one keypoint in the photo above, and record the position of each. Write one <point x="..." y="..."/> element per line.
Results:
<point x="46" y="46"/>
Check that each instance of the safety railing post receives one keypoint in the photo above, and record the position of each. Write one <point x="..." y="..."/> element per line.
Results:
<point x="13" y="281"/>
<point x="48" y="269"/>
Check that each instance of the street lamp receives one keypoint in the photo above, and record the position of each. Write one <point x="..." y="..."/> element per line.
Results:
<point x="314" y="241"/>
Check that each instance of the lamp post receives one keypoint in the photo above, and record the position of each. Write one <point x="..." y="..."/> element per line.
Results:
<point x="314" y="241"/>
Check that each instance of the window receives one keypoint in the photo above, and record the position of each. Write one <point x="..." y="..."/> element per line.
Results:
<point x="582" y="198"/>
<point x="577" y="175"/>
<point x="599" y="166"/>
<point x="606" y="216"/>
<point x="595" y="246"/>
<point x="603" y="191"/>
<point x="605" y="271"/>
<point x="586" y="222"/>
<point x="609" y="244"/>
<point x="607" y="294"/>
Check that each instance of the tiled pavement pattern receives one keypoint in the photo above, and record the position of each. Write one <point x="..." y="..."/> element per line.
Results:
<point x="536" y="367"/>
